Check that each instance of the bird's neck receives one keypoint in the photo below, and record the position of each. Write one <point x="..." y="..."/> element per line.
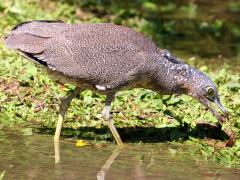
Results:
<point x="171" y="78"/>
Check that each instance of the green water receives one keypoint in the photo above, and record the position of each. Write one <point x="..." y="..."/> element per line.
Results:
<point x="33" y="157"/>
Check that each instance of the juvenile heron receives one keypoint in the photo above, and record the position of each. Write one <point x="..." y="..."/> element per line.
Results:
<point x="108" y="58"/>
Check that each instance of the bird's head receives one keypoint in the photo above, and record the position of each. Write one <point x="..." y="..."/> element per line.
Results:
<point x="202" y="88"/>
<point x="188" y="80"/>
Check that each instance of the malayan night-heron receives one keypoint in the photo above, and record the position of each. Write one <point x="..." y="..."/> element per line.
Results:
<point x="108" y="58"/>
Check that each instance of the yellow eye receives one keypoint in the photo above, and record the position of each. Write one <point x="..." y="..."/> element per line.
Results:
<point x="210" y="91"/>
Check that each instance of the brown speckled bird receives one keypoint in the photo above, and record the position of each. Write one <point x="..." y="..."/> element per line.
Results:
<point x="108" y="58"/>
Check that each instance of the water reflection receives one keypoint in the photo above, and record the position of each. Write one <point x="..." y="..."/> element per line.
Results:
<point x="56" y="152"/>
<point x="34" y="157"/>
<point x="101" y="174"/>
<point x="105" y="167"/>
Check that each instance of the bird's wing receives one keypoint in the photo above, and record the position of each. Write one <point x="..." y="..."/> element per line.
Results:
<point x="41" y="28"/>
<point x="99" y="52"/>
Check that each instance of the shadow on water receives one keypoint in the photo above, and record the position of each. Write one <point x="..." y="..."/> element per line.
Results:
<point x="144" y="134"/>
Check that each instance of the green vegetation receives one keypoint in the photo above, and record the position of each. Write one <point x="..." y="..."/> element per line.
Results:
<point x="30" y="99"/>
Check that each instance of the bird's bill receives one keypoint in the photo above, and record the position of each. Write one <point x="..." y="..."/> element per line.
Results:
<point x="221" y="107"/>
<point x="207" y="103"/>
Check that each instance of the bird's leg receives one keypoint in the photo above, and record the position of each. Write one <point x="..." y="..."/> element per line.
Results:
<point x="106" y="115"/>
<point x="106" y="166"/>
<point x="56" y="152"/>
<point x="63" y="108"/>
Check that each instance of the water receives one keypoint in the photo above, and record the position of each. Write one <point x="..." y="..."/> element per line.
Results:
<point x="33" y="157"/>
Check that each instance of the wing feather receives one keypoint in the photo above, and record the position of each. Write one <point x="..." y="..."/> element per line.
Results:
<point x="99" y="53"/>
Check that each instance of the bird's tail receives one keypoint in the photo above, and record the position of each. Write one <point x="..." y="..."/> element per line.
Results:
<point x="25" y="42"/>
<point x="30" y="37"/>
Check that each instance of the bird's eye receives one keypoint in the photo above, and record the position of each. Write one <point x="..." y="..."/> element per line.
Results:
<point x="210" y="91"/>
